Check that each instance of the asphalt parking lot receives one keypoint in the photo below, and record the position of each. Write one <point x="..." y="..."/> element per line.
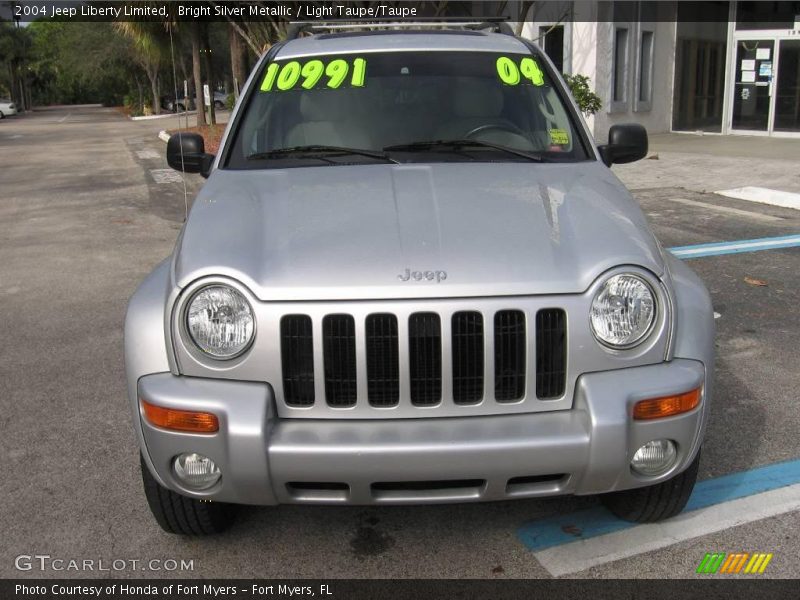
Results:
<point x="87" y="208"/>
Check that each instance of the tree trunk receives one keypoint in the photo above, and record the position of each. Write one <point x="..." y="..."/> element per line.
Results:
<point x="237" y="61"/>
<point x="209" y="74"/>
<point x="152" y="75"/>
<point x="16" y="86"/>
<point x="140" y="90"/>
<point x="198" y="76"/>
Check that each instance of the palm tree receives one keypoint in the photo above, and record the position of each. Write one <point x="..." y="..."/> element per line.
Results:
<point x="150" y="42"/>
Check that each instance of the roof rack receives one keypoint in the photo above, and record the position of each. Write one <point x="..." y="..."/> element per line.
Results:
<point x="499" y="24"/>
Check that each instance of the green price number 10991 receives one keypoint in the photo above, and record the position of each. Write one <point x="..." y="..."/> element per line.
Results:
<point x="314" y="73"/>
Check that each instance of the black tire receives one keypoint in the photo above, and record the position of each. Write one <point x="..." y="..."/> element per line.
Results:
<point x="219" y="105"/>
<point x="656" y="502"/>
<point x="2" y="116"/>
<point x="182" y="515"/>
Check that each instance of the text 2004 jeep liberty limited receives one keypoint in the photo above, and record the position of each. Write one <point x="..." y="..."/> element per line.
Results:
<point x="412" y="278"/>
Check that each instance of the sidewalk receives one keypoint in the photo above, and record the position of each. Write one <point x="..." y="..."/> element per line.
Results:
<point x="710" y="163"/>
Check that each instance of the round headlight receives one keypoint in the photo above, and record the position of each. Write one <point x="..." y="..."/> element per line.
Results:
<point x="220" y="321"/>
<point x="623" y="310"/>
<point x="654" y="458"/>
<point x="196" y="471"/>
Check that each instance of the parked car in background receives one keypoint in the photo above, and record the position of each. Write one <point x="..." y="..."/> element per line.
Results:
<point x="182" y="104"/>
<point x="179" y="104"/>
<point x="7" y="108"/>
<point x="220" y="99"/>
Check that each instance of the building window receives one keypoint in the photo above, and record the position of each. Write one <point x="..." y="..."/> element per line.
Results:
<point x="551" y="39"/>
<point x="620" y="76"/>
<point x="644" y="95"/>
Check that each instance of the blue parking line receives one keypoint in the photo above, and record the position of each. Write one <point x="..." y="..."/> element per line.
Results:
<point x="589" y="523"/>
<point x="735" y="247"/>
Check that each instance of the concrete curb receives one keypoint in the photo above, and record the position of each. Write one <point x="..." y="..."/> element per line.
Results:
<point x="163" y="136"/>
<point x="162" y="116"/>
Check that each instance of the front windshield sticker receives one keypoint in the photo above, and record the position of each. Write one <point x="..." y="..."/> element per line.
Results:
<point x="314" y="73"/>
<point x="559" y="137"/>
<point x="526" y="71"/>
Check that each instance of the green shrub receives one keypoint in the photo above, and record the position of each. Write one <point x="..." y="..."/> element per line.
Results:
<point x="588" y="102"/>
<point x="131" y="102"/>
<point x="230" y="101"/>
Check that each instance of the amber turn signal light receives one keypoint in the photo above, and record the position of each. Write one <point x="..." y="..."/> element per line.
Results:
<point x="180" y="420"/>
<point x="668" y="406"/>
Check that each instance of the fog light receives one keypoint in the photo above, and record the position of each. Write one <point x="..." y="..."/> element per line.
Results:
<point x="196" y="471"/>
<point x="654" y="458"/>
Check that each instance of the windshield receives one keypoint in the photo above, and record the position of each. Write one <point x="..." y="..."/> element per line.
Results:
<point x="404" y="107"/>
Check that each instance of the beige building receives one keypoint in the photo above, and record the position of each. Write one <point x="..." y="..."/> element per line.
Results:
<point x="716" y="67"/>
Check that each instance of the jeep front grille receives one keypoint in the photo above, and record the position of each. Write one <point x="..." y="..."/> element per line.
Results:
<point x="425" y="358"/>
<point x="551" y="353"/>
<point x="297" y="350"/>
<point x="509" y="355"/>
<point x="383" y="370"/>
<point x="467" y="346"/>
<point x="339" y="343"/>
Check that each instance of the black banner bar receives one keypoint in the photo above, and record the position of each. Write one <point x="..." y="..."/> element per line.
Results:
<point x="718" y="587"/>
<point x="764" y="14"/>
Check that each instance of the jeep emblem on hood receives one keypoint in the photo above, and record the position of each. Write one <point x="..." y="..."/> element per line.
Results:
<point x="437" y="276"/>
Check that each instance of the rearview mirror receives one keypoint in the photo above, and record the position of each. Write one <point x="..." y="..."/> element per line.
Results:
<point x="186" y="152"/>
<point x="626" y="143"/>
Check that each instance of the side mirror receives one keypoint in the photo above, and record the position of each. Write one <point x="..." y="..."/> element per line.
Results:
<point x="186" y="152"/>
<point x="626" y="143"/>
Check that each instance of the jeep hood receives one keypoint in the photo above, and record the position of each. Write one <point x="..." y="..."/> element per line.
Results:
<point x="350" y="232"/>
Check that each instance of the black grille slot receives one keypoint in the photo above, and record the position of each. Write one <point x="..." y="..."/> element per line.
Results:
<point x="551" y="353"/>
<point x="297" y="358"/>
<point x="425" y="358"/>
<point x="383" y="372"/>
<point x="339" y="352"/>
<point x="509" y="355"/>
<point x="467" y="343"/>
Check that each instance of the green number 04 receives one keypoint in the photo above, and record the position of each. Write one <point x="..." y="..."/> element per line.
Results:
<point x="509" y="72"/>
<point x="531" y="71"/>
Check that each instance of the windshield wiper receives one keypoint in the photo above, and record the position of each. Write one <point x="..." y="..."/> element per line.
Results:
<point x="319" y="151"/>
<point x="457" y="144"/>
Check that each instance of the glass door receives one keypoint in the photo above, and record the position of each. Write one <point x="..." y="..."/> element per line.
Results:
<point x="787" y="90"/>
<point x="752" y="94"/>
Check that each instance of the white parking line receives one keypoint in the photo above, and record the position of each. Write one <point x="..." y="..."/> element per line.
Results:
<point x="64" y="118"/>
<point x="585" y="554"/>
<point x="727" y="210"/>
<point x="165" y="176"/>
<point x="764" y="196"/>
<point x="147" y="153"/>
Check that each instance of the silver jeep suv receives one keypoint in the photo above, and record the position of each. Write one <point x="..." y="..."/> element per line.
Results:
<point x="412" y="278"/>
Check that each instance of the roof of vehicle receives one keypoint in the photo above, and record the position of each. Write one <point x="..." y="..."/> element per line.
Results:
<point x="401" y="41"/>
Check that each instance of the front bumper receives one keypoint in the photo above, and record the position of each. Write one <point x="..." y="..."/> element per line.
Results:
<point x="266" y="460"/>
